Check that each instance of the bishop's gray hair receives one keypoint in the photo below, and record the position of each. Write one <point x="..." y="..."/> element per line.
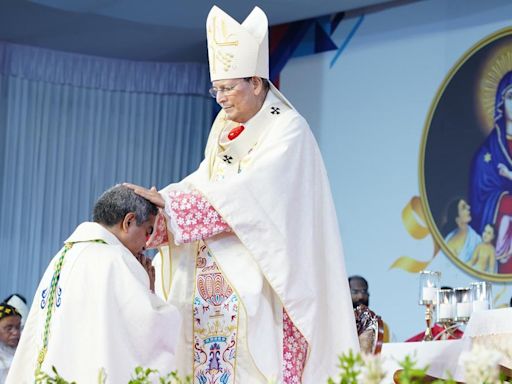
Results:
<point x="116" y="202"/>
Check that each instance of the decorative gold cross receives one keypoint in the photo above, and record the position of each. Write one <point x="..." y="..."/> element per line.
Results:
<point x="225" y="58"/>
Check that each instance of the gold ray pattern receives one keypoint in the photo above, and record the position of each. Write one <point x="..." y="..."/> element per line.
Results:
<point x="498" y="64"/>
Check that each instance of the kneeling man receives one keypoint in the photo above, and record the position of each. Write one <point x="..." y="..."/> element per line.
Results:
<point x="94" y="309"/>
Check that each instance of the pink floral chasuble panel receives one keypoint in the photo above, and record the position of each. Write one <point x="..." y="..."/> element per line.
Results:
<point x="295" y="348"/>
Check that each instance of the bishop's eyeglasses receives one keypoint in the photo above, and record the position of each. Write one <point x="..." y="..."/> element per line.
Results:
<point x="226" y="91"/>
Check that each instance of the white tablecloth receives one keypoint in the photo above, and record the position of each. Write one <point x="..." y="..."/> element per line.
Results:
<point x="441" y="356"/>
<point x="492" y="328"/>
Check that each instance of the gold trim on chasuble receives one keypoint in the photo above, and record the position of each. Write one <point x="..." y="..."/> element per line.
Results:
<point x="165" y="291"/>
<point x="170" y="239"/>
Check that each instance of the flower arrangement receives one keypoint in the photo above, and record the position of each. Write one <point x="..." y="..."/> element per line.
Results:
<point x="481" y="366"/>
<point x="140" y="375"/>
<point x="44" y="378"/>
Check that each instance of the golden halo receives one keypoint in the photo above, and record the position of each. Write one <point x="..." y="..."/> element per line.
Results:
<point x="493" y="70"/>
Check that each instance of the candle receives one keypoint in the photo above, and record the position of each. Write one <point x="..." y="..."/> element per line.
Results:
<point x="429" y="293"/>
<point x="445" y="311"/>
<point x="464" y="309"/>
<point x="480" y="305"/>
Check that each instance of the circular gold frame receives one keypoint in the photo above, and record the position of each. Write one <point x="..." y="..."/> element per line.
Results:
<point x="423" y="193"/>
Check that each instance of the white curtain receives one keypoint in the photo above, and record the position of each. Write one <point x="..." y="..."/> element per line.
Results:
<point x="73" y="125"/>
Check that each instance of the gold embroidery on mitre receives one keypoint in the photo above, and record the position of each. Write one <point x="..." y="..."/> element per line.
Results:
<point x="217" y="43"/>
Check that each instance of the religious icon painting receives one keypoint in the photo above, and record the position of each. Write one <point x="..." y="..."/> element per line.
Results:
<point x="466" y="160"/>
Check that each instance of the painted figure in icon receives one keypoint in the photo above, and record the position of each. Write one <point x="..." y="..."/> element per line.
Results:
<point x="460" y="237"/>
<point x="484" y="256"/>
<point x="491" y="177"/>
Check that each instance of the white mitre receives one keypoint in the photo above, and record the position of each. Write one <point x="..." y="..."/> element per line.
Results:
<point x="238" y="50"/>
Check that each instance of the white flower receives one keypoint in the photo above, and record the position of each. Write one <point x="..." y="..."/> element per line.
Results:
<point x="372" y="369"/>
<point x="481" y="365"/>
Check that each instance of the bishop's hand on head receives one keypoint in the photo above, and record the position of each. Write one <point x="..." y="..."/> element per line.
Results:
<point x="150" y="194"/>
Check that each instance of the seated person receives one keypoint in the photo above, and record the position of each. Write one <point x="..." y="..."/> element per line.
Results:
<point x="20" y="303"/>
<point x="361" y="296"/>
<point x="94" y="309"/>
<point x="10" y="323"/>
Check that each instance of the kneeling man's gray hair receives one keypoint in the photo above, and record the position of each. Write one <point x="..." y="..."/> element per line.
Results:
<point x="116" y="202"/>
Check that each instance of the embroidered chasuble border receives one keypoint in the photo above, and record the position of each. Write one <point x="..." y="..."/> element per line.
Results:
<point x="213" y="335"/>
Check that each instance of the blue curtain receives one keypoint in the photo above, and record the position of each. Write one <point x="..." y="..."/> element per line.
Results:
<point x="73" y="125"/>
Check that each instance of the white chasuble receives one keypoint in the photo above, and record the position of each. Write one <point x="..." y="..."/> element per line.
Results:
<point x="104" y="316"/>
<point x="262" y="206"/>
